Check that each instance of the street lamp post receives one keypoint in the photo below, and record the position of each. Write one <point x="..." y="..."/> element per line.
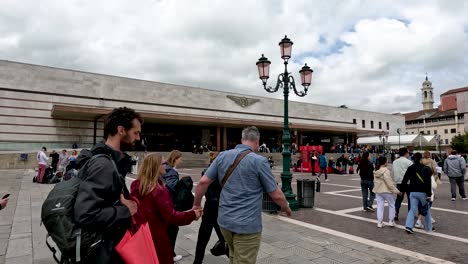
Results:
<point x="398" y="131"/>
<point x="439" y="141"/>
<point x="383" y="137"/>
<point x="286" y="81"/>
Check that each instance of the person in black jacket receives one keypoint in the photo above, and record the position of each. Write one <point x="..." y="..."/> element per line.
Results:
<point x="101" y="204"/>
<point x="209" y="217"/>
<point x="366" y="172"/>
<point x="420" y="189"/>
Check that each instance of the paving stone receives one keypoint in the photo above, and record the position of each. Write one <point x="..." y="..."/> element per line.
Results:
<point x="341" y="257"/>
<point x="19" y="247"/>
<point x="271" y="260"/>
<point x="282" y="244"/>
<point x="5" y="229"/>
<point x="19" y="260"/>
<point x="21" y="227"/>
<point x="338" y="248"/>
<point x="324" y="260"/>
<point x="3" y="246"/>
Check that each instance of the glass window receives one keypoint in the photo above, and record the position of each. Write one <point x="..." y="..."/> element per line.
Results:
<point x="380" y="125"/>
<point x="388" y="126"/>
<point x="446" y="131"/>
<point x="371" y="124"/>
<point x="428" y="132"/>
<point x="453" y="130"/>
<point x="435" y="132"/>
<point x="354" y="120"/>
<point x="363" y="123"/>
<point x="446" y="141"/>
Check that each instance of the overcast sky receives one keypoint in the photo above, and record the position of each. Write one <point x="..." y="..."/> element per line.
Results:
<point x="369" y="55"/>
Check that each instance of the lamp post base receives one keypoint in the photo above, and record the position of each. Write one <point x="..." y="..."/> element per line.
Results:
<point x="286" y="179"/>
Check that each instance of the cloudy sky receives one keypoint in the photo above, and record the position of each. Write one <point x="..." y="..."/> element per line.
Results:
<point x="370" y="55"/>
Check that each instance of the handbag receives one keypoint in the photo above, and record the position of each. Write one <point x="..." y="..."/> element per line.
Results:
<point x="220" y="248"/>
<point x="138" y="247"/>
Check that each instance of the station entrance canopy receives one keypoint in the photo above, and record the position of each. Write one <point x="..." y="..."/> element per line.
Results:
<point x="96" y="112"/>
<point x="403" y="140"/>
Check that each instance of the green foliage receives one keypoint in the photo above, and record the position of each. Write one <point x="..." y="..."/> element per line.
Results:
<point x="460" y="143"/>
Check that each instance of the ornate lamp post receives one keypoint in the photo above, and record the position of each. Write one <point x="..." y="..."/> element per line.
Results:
<point x="398" y="131"/>
<point x="383" y="137"/>
<point x="285" y="81"/>
<point x="438" y="144"/>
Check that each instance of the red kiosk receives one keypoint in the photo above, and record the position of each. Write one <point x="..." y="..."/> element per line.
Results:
<point x="306" y="152"/>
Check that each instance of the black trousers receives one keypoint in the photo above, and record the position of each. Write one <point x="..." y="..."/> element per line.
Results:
<point x="312" y="163"/>
<point x="209" y="221"/>
<point x="172" y="231"/>
<point x="399" y="198"/>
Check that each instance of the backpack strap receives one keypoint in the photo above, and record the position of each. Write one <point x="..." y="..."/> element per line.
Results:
<point x="419" y="176"/>
<point x="234" y="165"/>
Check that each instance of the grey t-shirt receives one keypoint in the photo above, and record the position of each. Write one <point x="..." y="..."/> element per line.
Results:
<point x="240" y="205"/>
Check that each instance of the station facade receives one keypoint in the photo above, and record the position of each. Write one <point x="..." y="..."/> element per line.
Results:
<point x="52" y="107"/>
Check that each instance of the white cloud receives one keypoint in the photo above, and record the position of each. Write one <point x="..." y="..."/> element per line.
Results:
<point x="366" y="54"/>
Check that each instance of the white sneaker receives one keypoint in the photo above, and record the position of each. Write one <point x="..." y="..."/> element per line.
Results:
<point x="326" y="180"/>
<point x="433" y="220"/>
<point x="380" y="224"/>
<point x="391" y="223"/>
<point x="464" y="199"/>
<point x="177" y="258"/>
<point x="419" y="225"/>
<point x="453" y="199"/>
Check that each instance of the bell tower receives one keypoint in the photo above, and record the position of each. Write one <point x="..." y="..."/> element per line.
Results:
<point x="427" y="95"/>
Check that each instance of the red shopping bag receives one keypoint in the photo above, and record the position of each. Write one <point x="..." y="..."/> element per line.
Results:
<point x="138" y="248"/>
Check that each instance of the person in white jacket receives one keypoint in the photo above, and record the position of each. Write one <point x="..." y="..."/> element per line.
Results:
<point x="41" y="164"/>
<point x="384" y="188"/>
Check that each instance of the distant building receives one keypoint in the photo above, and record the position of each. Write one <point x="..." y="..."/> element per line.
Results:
<point x="446" y="121"/>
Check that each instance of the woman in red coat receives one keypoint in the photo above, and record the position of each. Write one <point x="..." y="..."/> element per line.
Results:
<point x="156" y="206"/>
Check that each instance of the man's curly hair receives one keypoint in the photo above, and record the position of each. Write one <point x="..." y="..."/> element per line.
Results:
<point x="121" y="116"/>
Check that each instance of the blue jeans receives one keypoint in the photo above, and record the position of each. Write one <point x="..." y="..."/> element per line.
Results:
<point x="368" y="195"/>
<point x="418" y="199"/>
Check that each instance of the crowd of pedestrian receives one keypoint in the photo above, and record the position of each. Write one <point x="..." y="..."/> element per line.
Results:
<point x="233" y="184"/>
<point x="105" y="210"/>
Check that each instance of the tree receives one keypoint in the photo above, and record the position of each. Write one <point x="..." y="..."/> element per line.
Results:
<point x="460" y="143"/>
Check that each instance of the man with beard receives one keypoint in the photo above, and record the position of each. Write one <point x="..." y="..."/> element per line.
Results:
<point x="101" y="204"/>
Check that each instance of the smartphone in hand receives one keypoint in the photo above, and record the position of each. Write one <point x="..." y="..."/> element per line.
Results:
<point x="6" y="196"/>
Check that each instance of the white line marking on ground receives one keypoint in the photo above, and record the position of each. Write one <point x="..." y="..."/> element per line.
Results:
<point x="365" y="241"/>
<point x="432" y="208"/>
<point x="459" y="239"/>
<point x="334" y="184"/>
<point x="350" y="210"/>
<point x="335" y="192"/>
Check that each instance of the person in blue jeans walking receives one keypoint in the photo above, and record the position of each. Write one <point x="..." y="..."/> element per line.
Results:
<point x="420" y="190"/>
<point x="366" y="172"/>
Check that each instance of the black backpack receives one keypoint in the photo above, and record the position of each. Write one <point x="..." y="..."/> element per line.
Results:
<point x="183" y="196"/>
<point x="57" y="215"/>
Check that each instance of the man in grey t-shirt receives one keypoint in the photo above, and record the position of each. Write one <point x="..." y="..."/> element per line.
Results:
<point x="240" y="204"/>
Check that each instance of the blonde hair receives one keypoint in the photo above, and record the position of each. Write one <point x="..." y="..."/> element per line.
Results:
<point x="213" y="155"/>
<point x="148" y="174"/>
<point x="427" y="155"/>
<point x="173" y="156"/>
